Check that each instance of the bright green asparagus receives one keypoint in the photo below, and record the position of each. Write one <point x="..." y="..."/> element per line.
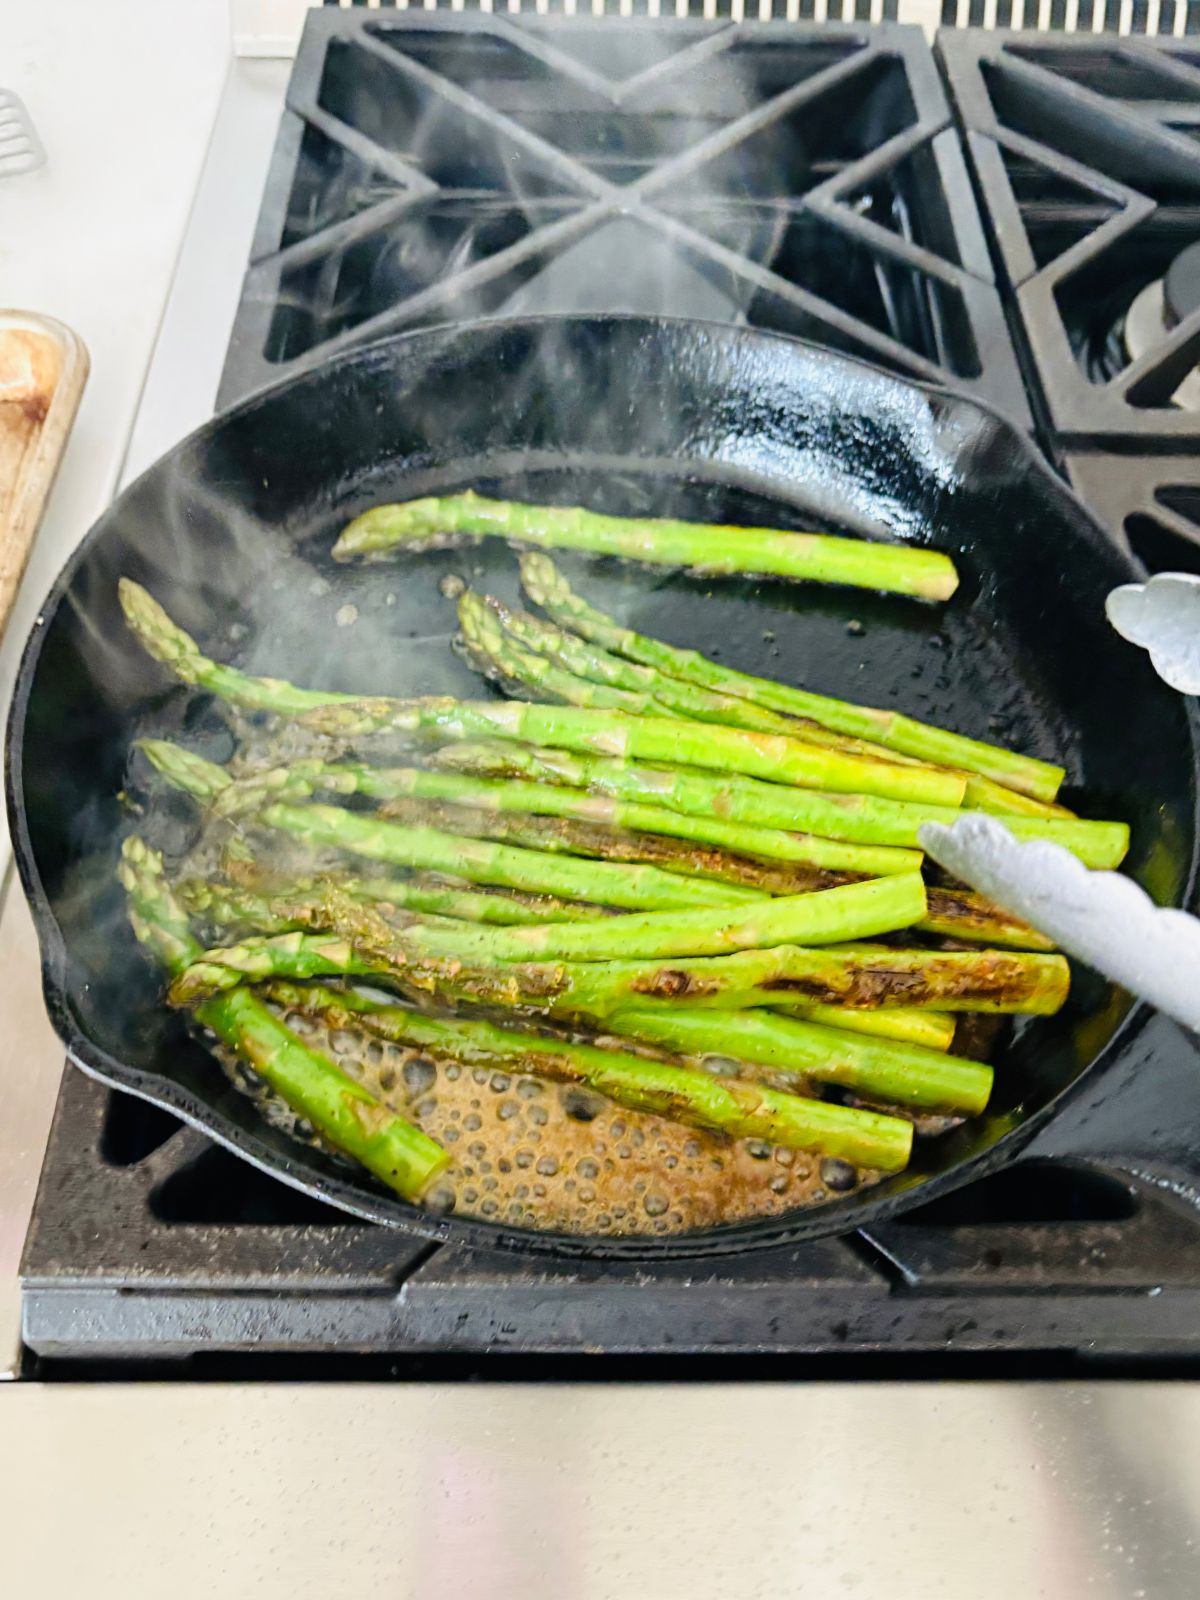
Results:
<point x="510" y="646"/>
<point x="950" y="913"/>
<point x="595" y="841"/>
<point x="592" y="732"/>
<point x="341" y="1109"/>
<point x="771" y="756"/>
<point x="590" y="662"/>
<point x="355" y="949"/>
<point x="490" y="629"/>
<point x="302" y="779"/>
<point x="750" y="803"/>
<point x="879" y="1069"/>
<point x="427" y="849"/>
<point x="555" y="835"/>
<point x="637" y="888"/>
<point x="274" y="907"/>
<point x="402" y="900"/>
<point x="741" y="1109"/>
<point x="547" y="588"/>
<point x="820" y="558"/>
<point x="934" y="1030"/>
<point x="168" y="643"/>
<point x="827" y="917"/>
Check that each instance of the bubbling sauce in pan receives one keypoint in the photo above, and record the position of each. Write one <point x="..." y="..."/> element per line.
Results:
<point x="557" y="1157"/>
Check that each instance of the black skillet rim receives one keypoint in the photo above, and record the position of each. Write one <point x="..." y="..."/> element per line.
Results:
<point x="377" y="1205"/>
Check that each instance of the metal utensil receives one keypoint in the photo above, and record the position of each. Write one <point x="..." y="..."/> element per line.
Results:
<point x="20" y="148"/>
<point x="1162" y="615"/>
<point x="1101" y="918"/>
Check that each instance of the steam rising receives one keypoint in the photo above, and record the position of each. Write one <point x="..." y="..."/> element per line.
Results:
<point x="239" y="554"/>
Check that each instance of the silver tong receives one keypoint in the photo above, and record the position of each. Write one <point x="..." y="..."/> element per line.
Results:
<point x="1102" y="918"/>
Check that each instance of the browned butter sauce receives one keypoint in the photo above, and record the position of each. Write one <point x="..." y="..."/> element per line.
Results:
<point x="531" y="1154"/>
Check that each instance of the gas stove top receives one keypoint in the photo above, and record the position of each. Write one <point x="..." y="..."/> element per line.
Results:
<point x="801" y="180"/>
<point x="1088" y="154"/>
<point x="817" y="181"/>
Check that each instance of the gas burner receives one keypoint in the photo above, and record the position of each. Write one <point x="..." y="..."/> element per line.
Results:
<point x="1160" y="307"/>
<point x="1095" y="253"/>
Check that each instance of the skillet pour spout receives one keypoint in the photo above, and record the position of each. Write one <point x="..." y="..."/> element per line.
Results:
<point x="231" y="531"/>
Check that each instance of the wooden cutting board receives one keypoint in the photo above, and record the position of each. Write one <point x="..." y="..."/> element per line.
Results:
<point x="43" y="367"/>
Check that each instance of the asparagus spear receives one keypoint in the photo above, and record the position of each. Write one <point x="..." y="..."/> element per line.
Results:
<point x="342" y="1110"/>
<point x="301" y="779"/>
<point x="827" y="917"/>
<point x="520" y="669"/>
<point x="703" y="548"/>
<point x="497" y="651"/>
<point x="933" y="1029"/>
<point x="231" y="906"/>
<point x="751" y="803"/>
<point x="831" y="916"/>
<point x="963" y="914"/>
<point x="338" y="714"/>
<point x="500" y="642"/>
<point x="595" y="665"/>
<point x="735" y="750"/>
<point x="533" y="677"/>
<point x="234" y="904"/>
<point x="431" y="892"/>
<point x="652" y="738"/>
<point x="547" y="588"/>
<point x="879" y="1069"/>
<point x="298" y="905"/>
<point x="579" y="674"/>
<point x="856" y="910"/>
<point x="359" y="946"/>
<point x="486" y="623"/>
<point x="428" y="894"/>
<point x="175" y="648"/>
<point x="492" y="907"/>
<point x="683" y="1094"/>
<point x="984" y="794"/>
<point x="952" y="913"/>
<point x="639" y="888"/>
<point x="427" y="849"/>
<point x="546" y="835"/>
<point x="562" y="835"/>
<point x="168" y="643"/>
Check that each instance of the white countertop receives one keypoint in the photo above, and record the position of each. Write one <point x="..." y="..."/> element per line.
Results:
<point x="123" y="94"/>
<point x="602" y="1492"/>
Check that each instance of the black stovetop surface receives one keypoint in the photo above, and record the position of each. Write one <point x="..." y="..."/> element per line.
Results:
<point x="837" y="182"/>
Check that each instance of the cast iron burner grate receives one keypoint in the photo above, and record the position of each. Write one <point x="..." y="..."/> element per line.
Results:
<point x="1082" y="244"/>
<point x="1151" y="503"/>
<point x="799" y="179"/>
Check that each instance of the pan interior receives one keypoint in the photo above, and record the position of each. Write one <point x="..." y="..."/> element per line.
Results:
<point x="232" y="534"/>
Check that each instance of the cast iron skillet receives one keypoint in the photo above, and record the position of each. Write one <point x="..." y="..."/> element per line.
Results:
<point x="231" y="531"/>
